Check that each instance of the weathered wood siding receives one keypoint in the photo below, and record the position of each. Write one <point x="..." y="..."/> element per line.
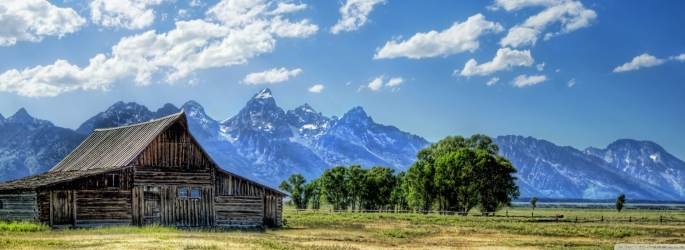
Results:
<point x="19" y="206"/>
<point x="174" y="149"/>
<point x="96" y="182"/>
<point x="272" y="211"/>
<point x="228" y="184"/>
<point x="62" y="207"/>
<point x="162" y="205"/>
<point x="239" y="211"/>
<point x="103" y="207"/>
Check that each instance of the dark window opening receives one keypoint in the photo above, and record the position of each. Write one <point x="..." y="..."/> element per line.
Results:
<point x="195" y="193"/>
<point x="183" y="193"/>
<point x="1" y="205"/>
<point x="113" y="181"/>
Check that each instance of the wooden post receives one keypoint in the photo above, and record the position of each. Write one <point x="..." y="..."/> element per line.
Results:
<point x="661" y="219"/>
<point x="73" y="201"/>
<point x="50" y="204"/>
<point x="602" y="218"/>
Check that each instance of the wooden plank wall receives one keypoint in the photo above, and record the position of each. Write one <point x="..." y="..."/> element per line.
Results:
<point x="103" y="207"/>
<point x="96" y="182"/>
<point x="174" y="210"/>
<point x="43" y="200"/>
<point x="228" y="184"/>
<point x="239" y="211"/>
<point x="19" y="206"/>
<point x="147" y="178"/>
<point x="175" y="149"/>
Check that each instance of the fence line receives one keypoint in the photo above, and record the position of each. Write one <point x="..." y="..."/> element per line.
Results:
<point x="538" y="217"/>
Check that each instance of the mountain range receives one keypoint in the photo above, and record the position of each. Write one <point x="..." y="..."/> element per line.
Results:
<point x="265" y="143"/>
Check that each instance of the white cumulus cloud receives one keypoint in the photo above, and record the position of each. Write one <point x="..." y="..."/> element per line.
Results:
<point x="232" y="32"/>
<point x="354" y="15"/>
<point x="571" y="15"/>
<point x="492" y="81"/>
<point x="394" y="82"/>
<point x="540" y="67"/>
<point x="271" y="76"/>
<point x="523" y="80"/>
<point x="31" y="20"/>
<point x="504" y="60"/>
<point x="376" y="84"/>
<point x="316" y="88"/>
<point x="379" y="82"/>
<point x="459" y="38"/>
<point x="128" y="14"/>
<point x="681" y="57"/>
<point x="641" y="61"/>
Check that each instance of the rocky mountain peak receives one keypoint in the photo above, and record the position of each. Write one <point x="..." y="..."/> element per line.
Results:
<point x="166" y="110"/>
<point x="2" y="118"/>
<point x="260" y="115"/>
<point x="119" y="114"/>
<point x="303" y="115"/>
<point x="356" y="115"/>
<point x="23" y="117"/>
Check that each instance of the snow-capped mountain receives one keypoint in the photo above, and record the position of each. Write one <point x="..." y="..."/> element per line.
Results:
<point x="265" y="143"/>
<point x="307" y="124"/>
<point x="646" y="161"/>
<point x="30" y="145"/>
<point x="551" y="171"/>
<point x="119" y="114"/>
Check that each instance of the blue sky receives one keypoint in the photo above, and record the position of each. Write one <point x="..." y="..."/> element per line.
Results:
<point x="577" y="73"/>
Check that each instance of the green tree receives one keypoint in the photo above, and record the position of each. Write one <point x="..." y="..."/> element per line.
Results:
<point x="398" y="197"/>
<point x="534" y="202"/>
<point x="295" y="186"/>
<point x="495" y="181"/>
<point x="355" y="181"/>
<point x="418" y="186"/>
<point x="312" y="192"/>
<point x="335" y="187"/>
<point x="378" y="185"/>
<point x="620" y="201"/>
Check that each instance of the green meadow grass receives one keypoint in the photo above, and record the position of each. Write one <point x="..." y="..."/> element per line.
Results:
<point x="354" y="230"/>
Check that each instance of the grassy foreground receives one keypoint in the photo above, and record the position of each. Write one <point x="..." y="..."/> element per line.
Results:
<point x="326" y="230"/>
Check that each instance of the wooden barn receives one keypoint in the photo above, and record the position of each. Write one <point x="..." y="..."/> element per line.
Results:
<point x="142" y="174"/>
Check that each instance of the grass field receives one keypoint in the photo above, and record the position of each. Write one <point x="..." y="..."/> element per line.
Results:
<point x="326" y="230"/>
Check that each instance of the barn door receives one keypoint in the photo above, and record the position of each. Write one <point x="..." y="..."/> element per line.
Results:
<point x="62" y="207"/>
<point x="151" y="205"/>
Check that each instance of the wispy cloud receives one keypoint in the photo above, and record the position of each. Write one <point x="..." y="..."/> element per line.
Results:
<point x="459" y="38"/>
<point x="571" y="83"/>
<point x="271" y="76"/>
<point x="641" y="61"/>
<point x="492" y="81"/>
<point x="354" y="15"/>
<point x="504" y="60"/>
<point x="128" y="14"/>
<point x="571" y="15"/>
<point x="523" y="80"/>
<point x="316" y="88"/>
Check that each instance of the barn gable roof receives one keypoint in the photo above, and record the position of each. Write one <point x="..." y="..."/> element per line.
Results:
<point x="115" y="147"/>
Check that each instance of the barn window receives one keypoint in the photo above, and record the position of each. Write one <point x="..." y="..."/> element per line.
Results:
<point x="195" y="193"/>
<point x="183" y="193"/>
<point x="1" y="205"/>
<point x="113" y="181"/>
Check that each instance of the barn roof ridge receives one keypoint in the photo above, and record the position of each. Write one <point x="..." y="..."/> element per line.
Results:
<point x="142" y="123"/>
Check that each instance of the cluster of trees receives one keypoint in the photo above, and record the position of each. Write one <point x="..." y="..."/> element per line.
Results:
<point x="454" y="174"/>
